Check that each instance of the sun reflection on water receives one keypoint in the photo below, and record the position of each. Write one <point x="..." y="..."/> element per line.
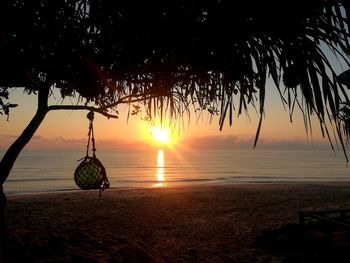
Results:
<point x="160" y="169"/>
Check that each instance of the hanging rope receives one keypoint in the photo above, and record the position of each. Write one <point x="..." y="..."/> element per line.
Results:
<point x="91" y="135"/>
<point x="90" y="173"/>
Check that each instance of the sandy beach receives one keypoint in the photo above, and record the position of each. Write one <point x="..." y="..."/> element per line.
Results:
<point x="232" y="223"/>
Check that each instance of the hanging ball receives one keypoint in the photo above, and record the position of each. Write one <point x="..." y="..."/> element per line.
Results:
<point x="90" y="174"/>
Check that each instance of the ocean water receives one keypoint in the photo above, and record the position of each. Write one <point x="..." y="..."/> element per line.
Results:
<point x="47" y="171"/>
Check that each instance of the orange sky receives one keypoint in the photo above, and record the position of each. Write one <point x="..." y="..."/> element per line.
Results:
<point x="68" y="129"/>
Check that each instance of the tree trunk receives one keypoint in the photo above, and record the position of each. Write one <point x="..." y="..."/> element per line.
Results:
<point x="3" y="235"/>
<point x="11" y="155"/>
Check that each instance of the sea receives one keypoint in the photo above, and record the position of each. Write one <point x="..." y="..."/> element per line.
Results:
<point x="53" y="171"/>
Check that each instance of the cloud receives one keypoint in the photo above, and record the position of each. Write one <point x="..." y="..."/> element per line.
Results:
<point x="235" y="142"/>
<point x="216" y="142"/>
<point x="8" y="137"/>
<point x="40" y="142"/>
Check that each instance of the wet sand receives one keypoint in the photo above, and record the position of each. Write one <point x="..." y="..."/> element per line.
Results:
<point x="232" y="223"/>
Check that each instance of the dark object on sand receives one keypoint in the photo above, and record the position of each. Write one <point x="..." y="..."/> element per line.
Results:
<point x="320" y="236"/>
<point x="329" y="221"/>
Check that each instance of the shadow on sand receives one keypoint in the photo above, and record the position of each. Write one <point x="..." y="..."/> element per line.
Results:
<point x="25" y="245"/>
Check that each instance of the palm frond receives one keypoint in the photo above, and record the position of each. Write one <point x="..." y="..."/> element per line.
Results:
<point x="213" y="55"/>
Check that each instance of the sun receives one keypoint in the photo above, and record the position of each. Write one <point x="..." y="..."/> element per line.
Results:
<point x="160" y="135"/>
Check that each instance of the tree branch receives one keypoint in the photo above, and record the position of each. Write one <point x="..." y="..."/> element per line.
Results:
<point x="103" y="110"/>
<point x="130" y="99"/>
<point x="82" y="107"/>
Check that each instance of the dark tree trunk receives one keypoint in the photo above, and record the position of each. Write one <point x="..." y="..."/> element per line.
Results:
<point x="3" y="237"/>
<point x="11" y="155"/>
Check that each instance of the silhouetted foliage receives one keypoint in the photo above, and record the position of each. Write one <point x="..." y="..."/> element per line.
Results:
<point x="344" y="113"/>
<point x="215" y="54"/>
<point x="344" y="116"/>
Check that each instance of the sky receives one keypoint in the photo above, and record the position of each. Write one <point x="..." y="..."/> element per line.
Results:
<point x="68" y="129"/>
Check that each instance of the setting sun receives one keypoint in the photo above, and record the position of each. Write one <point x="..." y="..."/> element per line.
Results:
<point x="160" y="135"/>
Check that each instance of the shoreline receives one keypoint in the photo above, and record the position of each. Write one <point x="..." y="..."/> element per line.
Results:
<point x="188" y="185"/>
<point x="203" y="223"/>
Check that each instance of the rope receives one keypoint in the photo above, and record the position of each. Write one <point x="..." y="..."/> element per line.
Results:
<point x="91" y="135"/>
